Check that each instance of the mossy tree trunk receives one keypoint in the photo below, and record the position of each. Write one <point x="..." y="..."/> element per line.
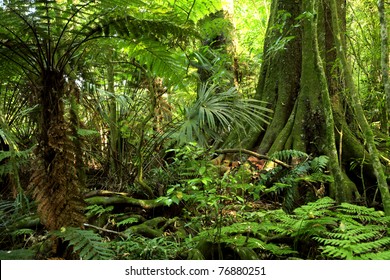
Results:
<point x="385" y="64"/>
<point x="303" y="79"/>
<point x="354" y="100"/>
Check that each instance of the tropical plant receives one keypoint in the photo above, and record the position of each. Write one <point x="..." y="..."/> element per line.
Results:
<point x="318" y="230"/>
<point x="140" y="110"/>
<point x="44" y="51"/>
<point x="213" y="115"/>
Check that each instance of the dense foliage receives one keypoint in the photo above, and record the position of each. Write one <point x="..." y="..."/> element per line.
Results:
<point x="123" y="132"/>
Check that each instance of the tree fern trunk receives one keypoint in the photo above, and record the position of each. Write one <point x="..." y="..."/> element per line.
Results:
<point x="54" y="181"/>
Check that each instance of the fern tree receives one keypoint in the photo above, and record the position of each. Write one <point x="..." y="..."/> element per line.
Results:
<point x="306" y="81"/>
<point x="47" y="43"/>
<point x="45" y="40"/>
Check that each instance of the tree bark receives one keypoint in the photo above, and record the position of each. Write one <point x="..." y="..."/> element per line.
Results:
<point x="280" y="75"/>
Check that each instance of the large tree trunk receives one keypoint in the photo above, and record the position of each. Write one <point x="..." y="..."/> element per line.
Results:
<point x="303" y="82"/>
<point x="280" y="72"/>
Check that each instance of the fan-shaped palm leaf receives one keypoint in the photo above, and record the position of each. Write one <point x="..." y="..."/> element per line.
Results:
<point x="214" y="114"/>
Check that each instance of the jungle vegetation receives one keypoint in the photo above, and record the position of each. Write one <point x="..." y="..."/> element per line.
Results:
<point x="207" y="129"/>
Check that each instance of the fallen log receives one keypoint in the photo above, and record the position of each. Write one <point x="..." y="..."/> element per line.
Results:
<point x="120" y="199"/>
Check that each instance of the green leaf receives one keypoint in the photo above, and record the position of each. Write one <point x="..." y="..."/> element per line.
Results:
<point x="202" y="170"/>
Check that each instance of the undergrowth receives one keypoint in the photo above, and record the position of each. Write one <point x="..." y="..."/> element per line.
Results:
<point x="343" y="231"/>
<point x="221" y="216"/>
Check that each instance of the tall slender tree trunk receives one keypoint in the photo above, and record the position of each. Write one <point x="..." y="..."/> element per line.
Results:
<point x="359" y="113"/>
<point x="385" y="63"/>
<point x="115" y="167"/>
<point x="232" y="41"/>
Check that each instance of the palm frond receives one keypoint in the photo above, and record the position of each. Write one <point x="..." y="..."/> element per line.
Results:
<point x="158" y="59"/>
<point x="214" y="114"/>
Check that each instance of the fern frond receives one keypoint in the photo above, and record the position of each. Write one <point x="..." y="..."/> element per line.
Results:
<point x="337" y="252"/>
<point x="319" y="164"/>
<point x="23" y="231"/>
<point x="97" y="210"/>
<point x="376" y="245"/>
<point x="357" y="235"/>
<point x="361" y="213"/>
<point x="286" y="155"/>
<point x="158" y="59"/>
<point x="345" y="231"/>
<point x="14" y="160"/>
<point x="128" y="221"/>
<point x="88" y="244"/>
<point x="317" y="208"/>
<point x="354" y="238"/>
<point x="383" y="255"/>
<point x="248" y="235"/>
<point x="196" y="10"/>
